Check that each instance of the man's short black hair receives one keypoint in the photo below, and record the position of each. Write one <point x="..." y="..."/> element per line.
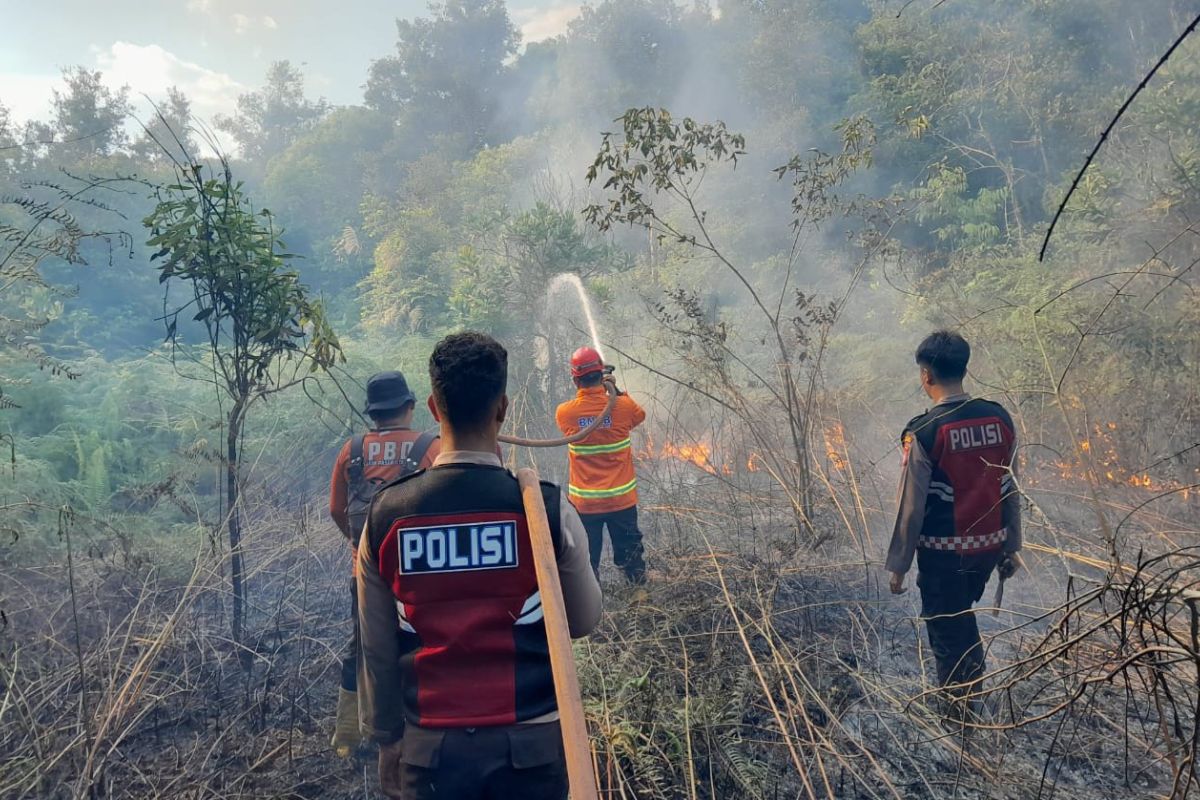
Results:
<point x="382" y="416"/>
<point x="945" y="354"/>
<point x="591" y="379"/>
<point x="468" y="372"/>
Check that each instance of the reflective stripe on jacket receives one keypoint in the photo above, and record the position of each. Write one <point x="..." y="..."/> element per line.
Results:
<point x="602" y="478"/>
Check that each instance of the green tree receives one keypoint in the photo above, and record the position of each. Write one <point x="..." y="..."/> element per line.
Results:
<point x="263" y="333"/>
<point x="9" y="149"/>
<point x="270" y="119"/>
<point x="613" y="47"/>
<point x="316" y="188"/>
<point x="445" y="81"/>
<point x="1008" y="94"/>
<point x="168" y="134"/>
<point x="652" y="172"/>
<point x="89" y="118"/>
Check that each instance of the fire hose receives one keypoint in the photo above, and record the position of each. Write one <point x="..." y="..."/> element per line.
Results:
<point x="576" y="745"/>
<point x="610" y="385"/>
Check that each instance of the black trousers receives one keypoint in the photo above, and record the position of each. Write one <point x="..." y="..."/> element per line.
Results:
<point x="350" y="661"/>
<point x="950" y="585"/>
<point x="626" y="541"/>
<point x="511" y="762"/>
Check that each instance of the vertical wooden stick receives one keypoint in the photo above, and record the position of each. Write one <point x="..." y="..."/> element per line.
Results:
<point x="562" y="661"/>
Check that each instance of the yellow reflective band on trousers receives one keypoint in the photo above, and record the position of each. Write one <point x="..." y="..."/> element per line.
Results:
<point x="576" y="491"/>
<point x="597" y="449"/>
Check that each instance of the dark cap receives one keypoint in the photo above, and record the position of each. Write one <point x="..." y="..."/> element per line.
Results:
<point x="388" y="391"/>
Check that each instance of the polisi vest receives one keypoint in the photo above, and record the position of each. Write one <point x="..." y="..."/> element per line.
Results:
<point x="970" y="444"/>
<point x="453" y="544"/>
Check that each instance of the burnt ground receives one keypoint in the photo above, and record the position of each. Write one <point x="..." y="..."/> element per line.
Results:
<point x="768" y="672"/>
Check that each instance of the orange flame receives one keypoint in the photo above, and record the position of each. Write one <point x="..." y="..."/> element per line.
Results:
<point x="699" y="454"/>
<point x="1102" y="450"/>
<point x="835" y="446"/>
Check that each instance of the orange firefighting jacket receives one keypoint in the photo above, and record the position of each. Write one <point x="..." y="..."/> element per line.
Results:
<point x="602" y="477"/>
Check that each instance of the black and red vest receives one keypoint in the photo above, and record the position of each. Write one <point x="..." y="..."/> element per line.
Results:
<point x="453" y="543"/>
<point x="970" y="444"/>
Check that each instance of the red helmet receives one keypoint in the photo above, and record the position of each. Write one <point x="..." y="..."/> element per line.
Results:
<point x="585" y="361"/>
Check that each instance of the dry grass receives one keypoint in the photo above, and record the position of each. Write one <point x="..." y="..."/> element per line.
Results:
<point x="760" y="666"/>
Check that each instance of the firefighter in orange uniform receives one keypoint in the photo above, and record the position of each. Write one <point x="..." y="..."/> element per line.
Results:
<point x="603" y="485"/>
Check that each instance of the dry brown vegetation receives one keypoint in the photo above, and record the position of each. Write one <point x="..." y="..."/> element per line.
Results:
<point x="760" y="665"/>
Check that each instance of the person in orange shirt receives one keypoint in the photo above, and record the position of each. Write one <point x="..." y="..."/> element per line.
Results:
<point x="365" y="464"/>
<point x="603" y="485"/>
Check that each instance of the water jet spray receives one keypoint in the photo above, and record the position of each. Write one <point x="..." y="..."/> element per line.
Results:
<point x="610" y="385"/>
<point x="585" y="303"/>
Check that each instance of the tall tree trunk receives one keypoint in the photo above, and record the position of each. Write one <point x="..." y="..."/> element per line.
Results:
<point x="234" y="523"/>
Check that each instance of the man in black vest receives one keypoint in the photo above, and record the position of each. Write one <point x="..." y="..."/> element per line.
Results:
<point x="959" y="509"/>
<point x="454" y="675"/>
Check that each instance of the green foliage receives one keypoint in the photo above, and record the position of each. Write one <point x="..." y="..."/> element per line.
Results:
<point x="408" y="287"/>
<point x="258" y="317"/>
<point x="316" y="192"/>
<point x="655" y="154"/>
<point x="168" y="135"/>
<point x="9" y="150"/>
<point x="817" y="176"/>
<point x="89" y="118"/>
<point x="653" y="173"/>
<point x="448" y="199"/>
<point x="270" y="119"/>
<point x="614" y="47"/>
<point x="255" y="311"/>
<point x="431" y="90"/>
<point x="956" y="218"/>
<point x="39" y="230"/>
<point x="721" y="259"/>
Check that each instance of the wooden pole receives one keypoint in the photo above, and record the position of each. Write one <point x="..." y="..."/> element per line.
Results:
<point x="562" y="661"/>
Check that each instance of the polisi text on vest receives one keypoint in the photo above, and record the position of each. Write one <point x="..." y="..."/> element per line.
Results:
<point x="459" y="548"/>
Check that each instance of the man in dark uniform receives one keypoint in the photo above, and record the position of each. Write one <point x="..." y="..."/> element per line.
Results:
<point x="959" y="509"/>
<point x="454" y="675"/>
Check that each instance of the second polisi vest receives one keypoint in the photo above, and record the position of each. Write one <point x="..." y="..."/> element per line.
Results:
<point x="453" y="544"/>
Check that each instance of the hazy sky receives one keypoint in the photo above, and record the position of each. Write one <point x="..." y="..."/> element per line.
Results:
<point x="213" y="49"/>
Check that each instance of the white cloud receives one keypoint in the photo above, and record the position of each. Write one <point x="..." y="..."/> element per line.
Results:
<point x="151" y="70"/>
<point x="241" y="23"/>
<point x="537" y="24"/>
<point x="27" y="97"/>
<point x="200" y="6"/>
<point x="244" y="23"/>
<point x="145" y="69"/>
